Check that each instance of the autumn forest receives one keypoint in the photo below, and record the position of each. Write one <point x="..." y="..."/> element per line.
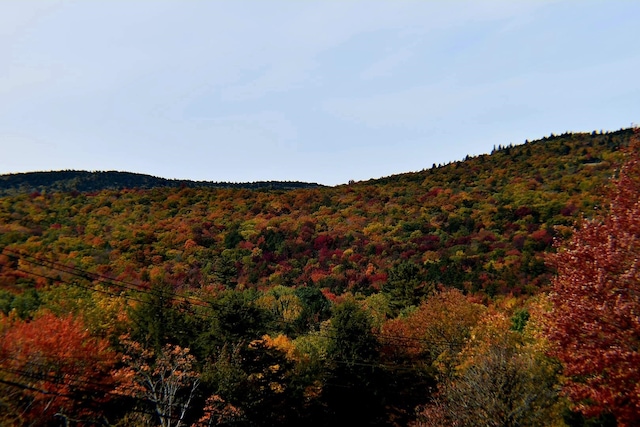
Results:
<point x="498" y="290"/>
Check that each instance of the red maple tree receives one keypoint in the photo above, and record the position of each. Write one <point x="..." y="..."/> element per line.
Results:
<point x="595" y="318"/>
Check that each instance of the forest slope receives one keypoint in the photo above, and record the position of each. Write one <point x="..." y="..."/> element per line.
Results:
<point x="481" y="225"/>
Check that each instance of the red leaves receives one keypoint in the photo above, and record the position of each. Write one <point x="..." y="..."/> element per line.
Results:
<point x="595" y="323"/>
<point x="55" y="365"/>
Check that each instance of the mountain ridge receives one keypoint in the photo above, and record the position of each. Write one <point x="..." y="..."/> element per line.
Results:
<point x="92" y="181"/>
<point x="84" y="181"/>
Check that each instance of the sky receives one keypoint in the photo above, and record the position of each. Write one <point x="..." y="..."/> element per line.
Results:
<point x="317" y="91"/>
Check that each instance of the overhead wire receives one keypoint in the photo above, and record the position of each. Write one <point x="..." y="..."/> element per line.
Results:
<point x="75" y="397"/>
<point x="390" y="340"/>
<point x="137" y="289"/>
<point x="84" y="274"/>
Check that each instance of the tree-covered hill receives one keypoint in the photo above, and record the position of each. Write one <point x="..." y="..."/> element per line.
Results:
<point x="84" y="181"/>
<point x="481" y="225"/>
<point x="385" y="302"/>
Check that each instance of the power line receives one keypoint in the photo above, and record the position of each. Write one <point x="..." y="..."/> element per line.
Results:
<point x="75" y="397"/>
<point x="127" y="288"/>
<point x="83" y="274"/>
<point x="78" y="285"/>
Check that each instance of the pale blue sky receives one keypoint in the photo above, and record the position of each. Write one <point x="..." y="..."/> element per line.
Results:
<point x="318" y="91"/>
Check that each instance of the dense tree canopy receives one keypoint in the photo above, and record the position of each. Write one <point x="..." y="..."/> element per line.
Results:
<point x="60" y="369"/>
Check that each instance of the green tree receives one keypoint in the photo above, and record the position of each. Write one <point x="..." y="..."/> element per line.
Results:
<point x="156" y="318"/>
<point x="315" y="308"/>
<point x="353" y="387"/>
<point x="226" y="271"/>
<point x="25" y="303"/>
<point x="234" y="317"/>
<point x="406" y="286"/>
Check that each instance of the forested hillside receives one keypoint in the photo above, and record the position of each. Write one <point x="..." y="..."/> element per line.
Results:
<point x="382" y="302"/>
<point x="83" y="181"/>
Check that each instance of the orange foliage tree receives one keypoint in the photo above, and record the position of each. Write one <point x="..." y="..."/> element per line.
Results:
<point x="594" y="322"/>
<point x="502" y="379"/>
<point x="53" y="367"/>
<point x="436" y="331"/>
<point x="167" y="380"/>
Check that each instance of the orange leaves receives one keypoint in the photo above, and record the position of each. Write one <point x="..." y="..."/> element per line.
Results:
<point x="501" y="379"/>
<point x="283" y="344"/>
<point x="56" y="361"/>
<point x="439" y="327"/>
<point x="63" y="340"/>
<point x="217" y="411"/>
<point x="167" y="380"/>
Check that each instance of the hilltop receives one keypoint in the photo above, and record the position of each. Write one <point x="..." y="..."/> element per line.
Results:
<point x="85" y="181"/>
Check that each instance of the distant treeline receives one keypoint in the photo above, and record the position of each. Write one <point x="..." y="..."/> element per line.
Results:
<point x="85" y="181"/>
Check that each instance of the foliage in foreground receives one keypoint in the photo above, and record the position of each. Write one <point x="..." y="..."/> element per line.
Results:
<point x="595" y="323"/>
